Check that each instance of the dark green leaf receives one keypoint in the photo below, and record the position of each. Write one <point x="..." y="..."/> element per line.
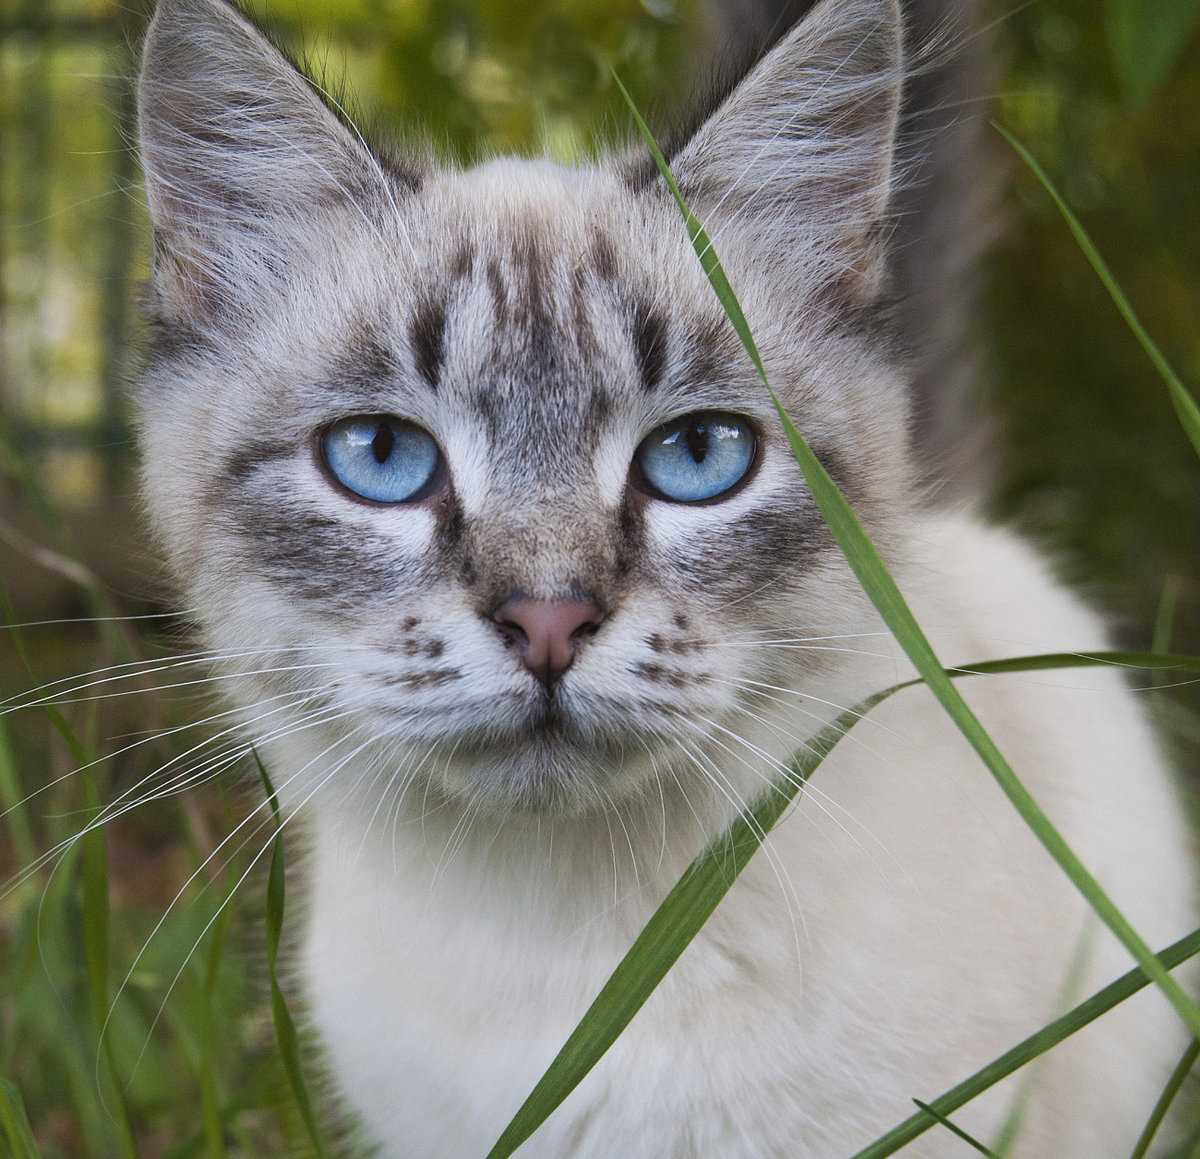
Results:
<point x="1185" y="405"/>
<point x="286" y="1037"/>
<point x="1146" y="38"/>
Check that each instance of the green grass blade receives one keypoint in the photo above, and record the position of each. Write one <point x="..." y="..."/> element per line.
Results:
<point x="96" y="921"/>
<point x="701" y="243"/>
<point x="15" y="1123"/>
<point x="95" y="903"/>
<point x="286" y="1036"/>
<point x="953" y="1128"/>
<point x="696" y="895"/>
<point x="1164" y="614"/>
<point x="1170" y="1091"/>
<point x="1013" y="1126"/>
<point x="1185" y="405"/>
<point x="1025" y="1052"/>
<point x="1160" y="640"/>
<point x="877" y="582"/>
<point x="1050" y="661"/>
<point x="12" y="803"/>
<point x="210" y="1108"/>
<point x="210" y="1102"/>
<point x="886" y="596"/>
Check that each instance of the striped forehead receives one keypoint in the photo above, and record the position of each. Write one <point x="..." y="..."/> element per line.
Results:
<point x="520" y="309"/>
<point x="529" y="301"/>
<point x="543" y="315"/>
<point x="524" y="339"/>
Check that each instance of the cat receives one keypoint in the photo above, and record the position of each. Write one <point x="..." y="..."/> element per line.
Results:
<point x="503" y="556"/>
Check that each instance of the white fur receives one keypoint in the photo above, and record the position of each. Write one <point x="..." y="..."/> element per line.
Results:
<point x="900" y="930"/>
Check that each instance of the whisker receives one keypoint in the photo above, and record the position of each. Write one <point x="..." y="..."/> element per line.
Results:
<point x="786" y="774"/>
<point x="267" y="818"/>
<point x="113" y="810"/>
<point x="721" y="782"/>
<point x="139" y="668"/>
<point x="66" y="620"/>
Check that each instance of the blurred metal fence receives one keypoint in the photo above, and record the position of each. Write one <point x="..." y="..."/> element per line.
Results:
<point x="70" y="229"/>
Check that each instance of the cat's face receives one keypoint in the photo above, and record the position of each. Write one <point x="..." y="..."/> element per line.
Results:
<point x="468" y="472"/>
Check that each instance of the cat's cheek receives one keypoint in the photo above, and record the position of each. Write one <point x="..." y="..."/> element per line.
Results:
<point x="392" y="546"/>
<point x="436" y="671"/>
<point x="698" y="549"/>
<point x="409" y="532"/>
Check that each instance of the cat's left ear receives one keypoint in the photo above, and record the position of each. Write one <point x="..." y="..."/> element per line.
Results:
<point x="802" y="152"/>
<point x="243" y="162"/>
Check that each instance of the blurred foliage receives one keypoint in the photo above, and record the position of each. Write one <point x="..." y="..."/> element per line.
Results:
<point x="492" y="76"/>
<point x="1094" y="459"/>
<point x="1091" y="458"/>
<point x="469" y="79"/>
<point x="183" y="1015"/>
<point x="1145" y="42"/>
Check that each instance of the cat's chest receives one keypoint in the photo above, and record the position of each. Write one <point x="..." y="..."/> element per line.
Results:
<point x="444" y="983"/>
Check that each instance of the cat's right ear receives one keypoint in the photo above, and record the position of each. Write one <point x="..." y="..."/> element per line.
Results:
<point x="801" y="154"/>
<point x="241" y="156"/>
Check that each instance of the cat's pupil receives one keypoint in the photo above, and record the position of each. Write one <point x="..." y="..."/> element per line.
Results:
<point x="697" y="441"/>
<point x="382" y="443"/>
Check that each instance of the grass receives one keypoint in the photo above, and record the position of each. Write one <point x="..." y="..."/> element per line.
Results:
<point x="123" y="1036"/>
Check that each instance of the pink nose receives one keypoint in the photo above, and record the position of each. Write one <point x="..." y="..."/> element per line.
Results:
<point x="545" y="633"/>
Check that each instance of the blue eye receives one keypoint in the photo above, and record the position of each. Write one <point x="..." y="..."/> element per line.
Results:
<point x="696" y="457"/>
<point x="381" y="458"/>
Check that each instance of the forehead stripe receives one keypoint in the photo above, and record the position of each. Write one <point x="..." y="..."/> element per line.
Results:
<point x="650" y="337"/>
<point x="427" y="336"/>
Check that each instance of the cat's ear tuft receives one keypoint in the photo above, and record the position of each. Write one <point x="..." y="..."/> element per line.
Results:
<point x="802" y="151"/>
<point x="239" y="152"/>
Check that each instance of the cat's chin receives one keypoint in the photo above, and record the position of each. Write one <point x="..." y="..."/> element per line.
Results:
<point x="545" y="770"/>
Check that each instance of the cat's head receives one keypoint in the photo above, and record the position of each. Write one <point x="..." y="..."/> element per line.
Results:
<point x="465" y="474"/>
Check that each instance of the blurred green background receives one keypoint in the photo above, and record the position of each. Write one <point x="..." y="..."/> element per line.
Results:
<point x="1089" y="457"/>
<point x="1107" y="95"/>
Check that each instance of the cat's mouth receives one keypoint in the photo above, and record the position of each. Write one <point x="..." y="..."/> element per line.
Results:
<point x="549" y="762"/>
<point x="548" y="728"/>
<point x="549" y="720"/>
